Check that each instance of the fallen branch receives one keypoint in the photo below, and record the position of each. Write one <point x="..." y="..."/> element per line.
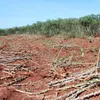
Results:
<point x="31" y="93"/>
<point x="79" y="76"/>
<point x="12" y="59"/>
<point x="17" y="80"/>
<point x="89" y="96"/>
<point x="83" y="89"/>
<point x="80" y="85"/>
<point x="7" y="72"/>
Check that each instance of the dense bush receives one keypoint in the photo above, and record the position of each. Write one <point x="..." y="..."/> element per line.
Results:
<point x="73" y="27"/>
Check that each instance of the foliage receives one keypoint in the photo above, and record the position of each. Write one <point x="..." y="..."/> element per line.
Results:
<point x="71" y="27"/>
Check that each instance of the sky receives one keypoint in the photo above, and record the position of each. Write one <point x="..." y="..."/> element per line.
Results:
<point x="23" y="12"/>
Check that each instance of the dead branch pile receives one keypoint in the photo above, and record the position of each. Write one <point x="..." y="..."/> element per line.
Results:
<point x="79" y="83"/>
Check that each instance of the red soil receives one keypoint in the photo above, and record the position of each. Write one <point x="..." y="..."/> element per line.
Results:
<point x="40" y="53"/>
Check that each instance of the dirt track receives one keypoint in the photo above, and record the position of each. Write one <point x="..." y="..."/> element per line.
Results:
<point x="38" y="68"/>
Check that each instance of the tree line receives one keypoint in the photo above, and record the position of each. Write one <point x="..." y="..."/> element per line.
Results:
<point x="73" y="27"/>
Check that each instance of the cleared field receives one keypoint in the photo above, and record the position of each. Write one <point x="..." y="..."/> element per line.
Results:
<point x="34" y="67"/>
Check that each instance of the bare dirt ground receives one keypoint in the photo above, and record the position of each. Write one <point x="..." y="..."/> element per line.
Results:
<point x="49" y="68"/>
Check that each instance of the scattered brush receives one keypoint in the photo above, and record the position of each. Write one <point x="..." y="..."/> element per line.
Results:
<point x="82" y="52"/>
<point x="90" y="39"/>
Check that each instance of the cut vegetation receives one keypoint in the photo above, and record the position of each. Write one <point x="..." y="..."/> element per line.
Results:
<point x="49" y="68"/>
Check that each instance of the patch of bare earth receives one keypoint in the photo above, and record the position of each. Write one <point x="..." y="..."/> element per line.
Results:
<point x="34" y="67"/>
